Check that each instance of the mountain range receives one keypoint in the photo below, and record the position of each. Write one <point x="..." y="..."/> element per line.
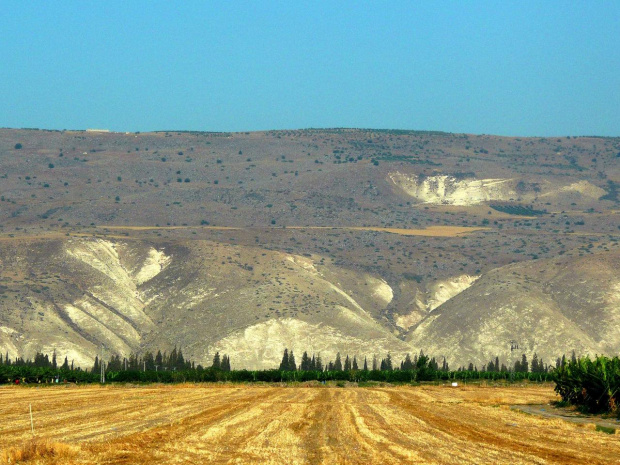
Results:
<point x="357" y="241"/>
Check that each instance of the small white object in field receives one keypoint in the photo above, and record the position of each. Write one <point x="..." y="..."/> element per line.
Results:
<point x="455" y="384"/>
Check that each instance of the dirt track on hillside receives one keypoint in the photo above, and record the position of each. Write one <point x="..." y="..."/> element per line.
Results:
<point x="104" y="231"/>
<point x="312" y="425"/>
<point x="431" y="231"/>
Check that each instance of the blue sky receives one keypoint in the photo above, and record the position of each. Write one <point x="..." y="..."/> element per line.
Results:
<point x="510" y="68"/>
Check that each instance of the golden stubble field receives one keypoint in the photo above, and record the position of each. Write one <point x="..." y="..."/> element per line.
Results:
<point x="185" y="424"/>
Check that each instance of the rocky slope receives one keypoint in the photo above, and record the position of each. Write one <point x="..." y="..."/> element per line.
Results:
<point x="351" y="241"/>
<point x="548" y="307"/>
<point x="77" y="295"/>
<point x="200" y="296"/>
<point x="448" y="190"/>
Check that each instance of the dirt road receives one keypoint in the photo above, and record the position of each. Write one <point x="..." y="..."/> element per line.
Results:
<point x="295" y="425"/>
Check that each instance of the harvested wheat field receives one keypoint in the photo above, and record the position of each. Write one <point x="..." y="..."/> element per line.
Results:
<point x="289" y="425"/>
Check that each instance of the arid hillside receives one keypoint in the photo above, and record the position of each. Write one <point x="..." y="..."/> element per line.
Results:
<point x="351" y="241"/>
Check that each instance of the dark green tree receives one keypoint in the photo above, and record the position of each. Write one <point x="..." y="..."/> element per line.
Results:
<point x="115" y="363"/>
<point x="149" y="361"/>
<point x="338" y="363"/>
<point x="284" y="362"/>
<point x="524" y="364"/>
<point x="407" y="363"/>
<point x="217" y="362"/>
<point x="172" y="360"/>
<point x="180" y="362"/>
<point x="96" y="366"/>
<point x="41" y="360"/>
<point x="292" y="365"/>
<point x="306" y="362"/>
<point x="318" y="363"/>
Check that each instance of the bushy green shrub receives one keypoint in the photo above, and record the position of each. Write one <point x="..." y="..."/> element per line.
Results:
<point x="593" y="385"/>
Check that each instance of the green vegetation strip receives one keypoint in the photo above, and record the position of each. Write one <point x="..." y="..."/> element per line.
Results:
<point x="521" y="210"/>
<point x="592" y="385"/>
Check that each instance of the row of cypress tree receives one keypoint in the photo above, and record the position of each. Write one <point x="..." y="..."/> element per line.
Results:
<point x="315" y="363"/>
<point x="175" y="361"/>
<point x="40" y="360"/>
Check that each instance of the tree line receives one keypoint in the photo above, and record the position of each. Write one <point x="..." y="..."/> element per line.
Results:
<point x="315" y="363"/>
<point x="174" y="367"/>
<point x="159" y="367"/>
<point x="174" y="361"/>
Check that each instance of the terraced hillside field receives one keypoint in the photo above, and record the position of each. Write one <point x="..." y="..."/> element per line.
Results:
<point x="291" y="425"/>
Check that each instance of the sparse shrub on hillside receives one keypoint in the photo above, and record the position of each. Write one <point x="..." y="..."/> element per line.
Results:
<point x="18" y="146"/>
<point x="413" y="277"/>
<point x="522" y="210"/>
<point x="612" y="191"/>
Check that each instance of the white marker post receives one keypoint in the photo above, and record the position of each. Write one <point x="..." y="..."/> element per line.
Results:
<point x="31" y="421"/>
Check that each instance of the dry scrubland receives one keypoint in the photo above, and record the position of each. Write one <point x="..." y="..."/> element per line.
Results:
<point x="341" y="240"/>
<point x="254" y="424"/>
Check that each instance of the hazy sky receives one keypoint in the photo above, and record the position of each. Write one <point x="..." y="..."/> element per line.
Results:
<point x="511" y="68"/>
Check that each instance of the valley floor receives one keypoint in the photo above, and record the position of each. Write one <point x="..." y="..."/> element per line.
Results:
<point x="175" y="424"/>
